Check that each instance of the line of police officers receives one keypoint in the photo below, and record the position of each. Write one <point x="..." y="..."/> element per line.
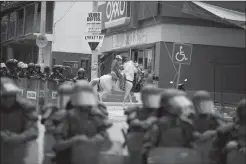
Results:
<point x="165" y="128"/>
<point x="16" y="69"/>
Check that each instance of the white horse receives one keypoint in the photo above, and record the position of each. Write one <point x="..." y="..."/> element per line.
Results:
<point x="106" y="82"/>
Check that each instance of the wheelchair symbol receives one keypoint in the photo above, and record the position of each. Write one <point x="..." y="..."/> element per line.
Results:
<point x="180" y="56"/>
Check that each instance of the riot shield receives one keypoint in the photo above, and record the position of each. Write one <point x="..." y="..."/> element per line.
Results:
<point x="174" y="156"/>
<point x="23" y="86"/>
<point x="32" y="90"/>
<point x="52" y="91"/>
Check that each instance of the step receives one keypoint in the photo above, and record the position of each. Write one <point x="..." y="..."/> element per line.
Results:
<point x="118" y="96"/>
<point x="117" y="100"/>
<point x="114" y="92"/>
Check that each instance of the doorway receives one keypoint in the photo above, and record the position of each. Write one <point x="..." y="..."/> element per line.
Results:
<point x="144" y="57"/>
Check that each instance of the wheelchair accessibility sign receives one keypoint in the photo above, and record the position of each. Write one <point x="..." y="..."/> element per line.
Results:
<point x="182" y="53"/>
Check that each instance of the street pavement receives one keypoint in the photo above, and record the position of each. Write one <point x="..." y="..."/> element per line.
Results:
<point x="116" y="115"/>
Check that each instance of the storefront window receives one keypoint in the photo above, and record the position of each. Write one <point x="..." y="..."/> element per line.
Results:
<point x="144" y="57"/>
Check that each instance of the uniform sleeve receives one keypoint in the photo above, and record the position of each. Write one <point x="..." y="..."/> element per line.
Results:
<point x="187" y="131"/>
<point x="60" y="121"/>
<point x="31" y="121"/>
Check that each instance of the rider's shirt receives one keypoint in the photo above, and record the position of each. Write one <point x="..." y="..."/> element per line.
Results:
<point x="115" y="67"/>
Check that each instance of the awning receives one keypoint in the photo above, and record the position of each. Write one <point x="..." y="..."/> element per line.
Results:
<point x="213" y="13"/>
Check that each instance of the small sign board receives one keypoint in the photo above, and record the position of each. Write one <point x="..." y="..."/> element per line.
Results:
<point x="94" y="22"/>
<point x="182" y="53"/>
<point x="94" y="40"/>
<point x="54" y="95"/>
<point x="31" y="95"/>
<point x="41" y="41"/>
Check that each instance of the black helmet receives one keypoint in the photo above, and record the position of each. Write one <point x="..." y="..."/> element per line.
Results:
<point x="37" y="66"/>
<point x="31" y="65"/>
<point x="10" y="63"/>
<point x="81" y="70"/>
<point x="46" y="69"/>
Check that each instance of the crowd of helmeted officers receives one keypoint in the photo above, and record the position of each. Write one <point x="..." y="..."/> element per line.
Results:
<point x="16" y="69"/>
<point x="169" y="122"/>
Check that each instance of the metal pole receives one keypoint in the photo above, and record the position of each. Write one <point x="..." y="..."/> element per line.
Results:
<point x="177" y="82"/>
<point x="42" y="31"/>
<point x="40" y="52"/>
<point x="94" y="53"/>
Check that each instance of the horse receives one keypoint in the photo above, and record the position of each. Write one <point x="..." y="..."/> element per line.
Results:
<point x="108" y="82"/>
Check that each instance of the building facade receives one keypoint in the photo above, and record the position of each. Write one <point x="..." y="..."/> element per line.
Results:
<point x="65" y="31"/>
<point x="146" y="32"/>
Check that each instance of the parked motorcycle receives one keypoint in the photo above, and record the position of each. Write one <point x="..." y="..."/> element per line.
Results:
<point x="181" y="86"/>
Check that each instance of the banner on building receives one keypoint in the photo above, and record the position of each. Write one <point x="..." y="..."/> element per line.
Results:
<point x="94" y="22"/>
<point x="94" y="40"/>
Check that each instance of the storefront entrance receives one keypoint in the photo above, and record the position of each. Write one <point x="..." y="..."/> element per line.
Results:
<point x="144" y="57"/>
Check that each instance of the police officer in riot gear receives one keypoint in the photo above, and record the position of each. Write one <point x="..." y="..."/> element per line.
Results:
<point x="139" y="120"/>
<point x="86" y="140"/>
<point x="3" y="70"/>
<point x="81" y="75"/>
<point x="46" y="72"/>
<point x="175" y="126"/>
<point x="38" y="73"/>
<point x="231" y="139"/>
<point x="30" y="70"/>
<point x="18" y="124"/>
<point x="57" y="75"/>
<point x="12" y="67"/>
<point x="23" y="72"/>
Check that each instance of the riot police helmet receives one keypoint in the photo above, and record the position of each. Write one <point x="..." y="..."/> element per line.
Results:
<point x="83" y="94"/>
<point x="64" y="93"/>
<point x="203" y="102"/>
<point x="37" y="66"/>
<point x="173" y="101"/>
<point x="3" y="65"/>
<point x="20" y="64"/>
<point x="31" y="65"/>
<point x="150" y="96"/>
<point x="10" y="62"/>
<point x="8" y="87"/>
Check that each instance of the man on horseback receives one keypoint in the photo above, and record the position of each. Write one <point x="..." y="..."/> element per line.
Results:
<point x="116" y="70"/>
